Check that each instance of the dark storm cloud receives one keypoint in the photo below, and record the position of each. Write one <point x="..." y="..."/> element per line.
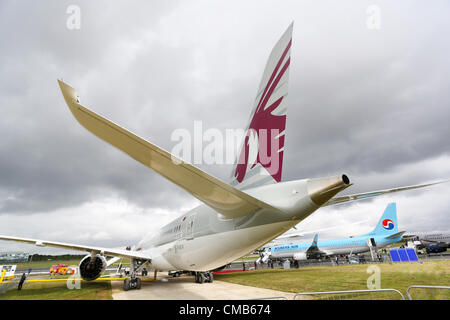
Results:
<point x="125" y="73"/>
<point x="369" y="103"/>
<point x="49" y="163"/>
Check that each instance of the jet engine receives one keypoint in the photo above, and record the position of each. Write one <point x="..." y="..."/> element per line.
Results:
<point x="92" y="268"/>
<point x="300" y="256"/>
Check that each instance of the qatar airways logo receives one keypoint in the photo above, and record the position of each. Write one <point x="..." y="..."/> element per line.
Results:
<point x="388" y="224"/>
<point x="263" y="142"/>
<point x="213" y="146"/>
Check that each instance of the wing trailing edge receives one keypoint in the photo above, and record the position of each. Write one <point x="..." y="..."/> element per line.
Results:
<point x="223" y="198"/>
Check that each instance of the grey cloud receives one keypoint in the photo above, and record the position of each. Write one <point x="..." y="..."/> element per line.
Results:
<point x="372" y="104"/>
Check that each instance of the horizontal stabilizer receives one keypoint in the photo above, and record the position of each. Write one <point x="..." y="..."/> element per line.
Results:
<point x="361" y="196"/>
<point x="395" y="235"/>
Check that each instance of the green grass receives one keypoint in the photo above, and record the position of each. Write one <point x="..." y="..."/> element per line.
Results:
<point x="348" y="277"/>
<point x="59" y="291"/>
<point x="248" y="258"/>
<point x="43" y="264"/>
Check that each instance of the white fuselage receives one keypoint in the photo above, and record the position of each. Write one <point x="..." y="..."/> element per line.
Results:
<point x="442" y="239"/>
<point x="202" y="240"/>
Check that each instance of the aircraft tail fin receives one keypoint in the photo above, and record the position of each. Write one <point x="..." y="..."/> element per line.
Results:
<point x="387" y="225"/>
<point x="314" y="243"/>
<point x="260" y="160"/>
<point x="314" y="249"/>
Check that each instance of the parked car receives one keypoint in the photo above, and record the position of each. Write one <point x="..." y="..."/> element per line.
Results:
<point x="432" y="248"/>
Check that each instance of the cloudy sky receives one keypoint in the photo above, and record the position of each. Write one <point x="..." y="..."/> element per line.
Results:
<point x="368" y="97"/>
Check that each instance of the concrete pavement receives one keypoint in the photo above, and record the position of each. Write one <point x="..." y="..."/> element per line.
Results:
<point x="184" y="288"/>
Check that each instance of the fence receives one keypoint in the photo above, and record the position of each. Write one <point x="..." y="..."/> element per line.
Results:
<point x="269" y="298"/>
<point x="413" y="293"/>
<point x="428" y="293"/>
<point x="374" y="294"/>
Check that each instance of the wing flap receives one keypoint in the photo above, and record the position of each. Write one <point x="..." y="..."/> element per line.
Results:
<point x="225" y="199"/>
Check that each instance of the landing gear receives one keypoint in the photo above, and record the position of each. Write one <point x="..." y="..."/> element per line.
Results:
<point x="133" y="283"/>
<point x="175" y="274"/>
<point x="201" y="277"/>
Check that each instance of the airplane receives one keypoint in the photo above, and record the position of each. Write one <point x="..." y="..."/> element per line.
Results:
<point x="384" y="234"/>
<point x="425" y="239"/>
<point x="293" y="235"/>
<point x="235" y="218"/>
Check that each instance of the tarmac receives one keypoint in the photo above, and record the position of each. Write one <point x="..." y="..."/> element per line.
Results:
<point x="185" y="288"/>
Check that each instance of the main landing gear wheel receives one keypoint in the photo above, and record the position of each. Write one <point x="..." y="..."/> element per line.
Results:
<point x="133" y="283"/>
<point x="201" y="277"/>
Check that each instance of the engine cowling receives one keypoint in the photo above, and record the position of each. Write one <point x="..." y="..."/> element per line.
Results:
<point x="92" y="270"/>
<point x="300" y="256"/>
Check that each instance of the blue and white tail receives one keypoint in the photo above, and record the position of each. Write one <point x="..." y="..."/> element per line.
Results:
<point x="387" y="225"/>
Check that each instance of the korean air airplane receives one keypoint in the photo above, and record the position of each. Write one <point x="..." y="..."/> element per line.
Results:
<point x="385" y="233"/>
<point x="237" y="216"/>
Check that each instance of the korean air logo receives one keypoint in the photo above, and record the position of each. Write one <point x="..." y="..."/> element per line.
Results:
<point x="388" y="224"/>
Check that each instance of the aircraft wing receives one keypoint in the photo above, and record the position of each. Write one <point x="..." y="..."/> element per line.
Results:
<point x="365" y="195"/>
<point x="225" y="199"/>
<point x="122" y="253"/>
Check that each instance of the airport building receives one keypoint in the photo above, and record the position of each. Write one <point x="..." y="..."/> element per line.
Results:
<point x="13" y="257"/>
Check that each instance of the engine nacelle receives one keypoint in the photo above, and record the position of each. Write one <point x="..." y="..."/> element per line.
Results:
<point x="300" y="256"/>
<point x="92" y="270"/>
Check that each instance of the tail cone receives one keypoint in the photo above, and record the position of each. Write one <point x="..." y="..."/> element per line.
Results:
<point x="320" y="190"/>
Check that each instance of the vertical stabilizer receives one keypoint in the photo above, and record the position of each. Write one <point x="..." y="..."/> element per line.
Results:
<point x="388" y="222"/>
<point x="314" y="242"/>
<point x="260" y="160"/>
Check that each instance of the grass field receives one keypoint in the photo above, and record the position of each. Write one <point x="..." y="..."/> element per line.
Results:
<point x="59" y="291"/>
<point x="348" y="277"/>
<point x="44" y="264"/>
<point x="304" y="279"/>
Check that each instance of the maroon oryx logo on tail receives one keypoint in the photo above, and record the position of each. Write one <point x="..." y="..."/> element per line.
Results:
<point x="264" y="141"/>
